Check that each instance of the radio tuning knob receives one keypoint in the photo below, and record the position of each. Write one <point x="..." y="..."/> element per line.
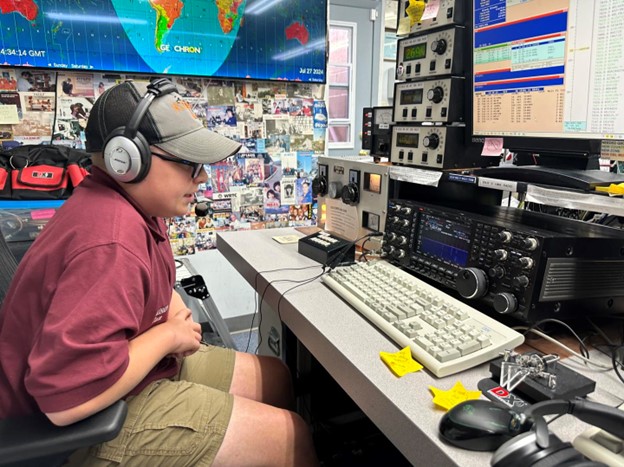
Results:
<point x="526" y="263"/>
<point x="505" y="302"/>
<point x="334" y="190"/>
<point x="398" y="254"/>
<point x="396" y="219"/>
<point x="432" y="141"/>
<point x="395" y="207"/>
<point x="505" y="236"/>
<point x="402" y="240"/>
<point x="406" y="210"/>
<point x="406" y="223"/>
<point x="471" y="283"/>
<point x="319" y="186"/>
<point x="392" y="236"/>
<point x="438" y="46"/>
<point x="350" y="194"/>
<point x="501" y="254"/>
<point x="520" y="282"/>
<point x="435" y="95"/>
<point x="530" y="243"/>
<point x="497" y="272"/>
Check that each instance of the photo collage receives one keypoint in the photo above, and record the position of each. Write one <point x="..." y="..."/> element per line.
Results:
<point x="282" y="127"/>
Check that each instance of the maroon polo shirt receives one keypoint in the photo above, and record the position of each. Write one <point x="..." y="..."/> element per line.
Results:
<point x="100" y="274"/>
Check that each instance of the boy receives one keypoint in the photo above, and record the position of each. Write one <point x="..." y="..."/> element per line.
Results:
<point x="91" y="316"/>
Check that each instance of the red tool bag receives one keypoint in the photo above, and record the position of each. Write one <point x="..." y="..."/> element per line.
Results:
<point x="41" y="171"/>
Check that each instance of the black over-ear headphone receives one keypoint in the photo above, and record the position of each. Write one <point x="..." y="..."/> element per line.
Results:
<point x="126" y="151"/>
<point x="540" y="448"/>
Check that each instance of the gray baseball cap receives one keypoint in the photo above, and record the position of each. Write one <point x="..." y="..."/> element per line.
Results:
<point x="169" y="124"/>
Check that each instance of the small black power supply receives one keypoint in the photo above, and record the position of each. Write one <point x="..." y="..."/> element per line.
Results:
<point x="327" y="248"/>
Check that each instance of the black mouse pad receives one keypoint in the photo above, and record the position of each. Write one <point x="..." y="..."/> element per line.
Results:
<point x="501" y="396"/>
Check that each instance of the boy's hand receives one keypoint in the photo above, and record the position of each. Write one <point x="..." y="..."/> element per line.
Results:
<point x="186" y="332"/>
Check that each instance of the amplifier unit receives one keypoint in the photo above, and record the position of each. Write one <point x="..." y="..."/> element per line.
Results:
<point x="433" y="54"/>
<point x="352" y="195"/>
<point x="436" y="100"/>
<point x="438" y="13"/>
<point x="526" y="264"/>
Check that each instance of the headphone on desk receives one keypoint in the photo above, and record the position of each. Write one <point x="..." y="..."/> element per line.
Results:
<point x="127" y="154"/>
<point x="540" y="448"/>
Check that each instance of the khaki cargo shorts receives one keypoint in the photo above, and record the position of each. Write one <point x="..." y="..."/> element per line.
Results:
<point x="173" y="423"/>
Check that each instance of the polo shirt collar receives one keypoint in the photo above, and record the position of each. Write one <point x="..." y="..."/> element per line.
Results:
<point x="157" y="227"/>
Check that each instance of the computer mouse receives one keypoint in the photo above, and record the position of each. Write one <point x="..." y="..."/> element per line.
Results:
<point x="480" y="425"/>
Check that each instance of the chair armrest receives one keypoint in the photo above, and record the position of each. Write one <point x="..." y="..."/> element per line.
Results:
<point x="36" y="436"/>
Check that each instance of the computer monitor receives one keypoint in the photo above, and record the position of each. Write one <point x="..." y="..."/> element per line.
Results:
<point x="548" y="77"/>
<point x="260" y="40"/>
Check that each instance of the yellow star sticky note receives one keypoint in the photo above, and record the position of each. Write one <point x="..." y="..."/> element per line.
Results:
<point x="415" y="11"/>
<point x="401" y="362"/>
<point x="449" y="399"/>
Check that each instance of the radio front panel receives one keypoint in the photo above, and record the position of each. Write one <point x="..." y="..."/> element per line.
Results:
<point x="425" y="146"/>
<point x="509" y="260"/>
<point x="436" y="100"/>
<point x="433" y="54"/>
<point x="355" y="190"/>
<point x="437" y="14"/>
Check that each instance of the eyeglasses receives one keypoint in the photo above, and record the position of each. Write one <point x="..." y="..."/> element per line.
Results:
<point x="196" y="166"/>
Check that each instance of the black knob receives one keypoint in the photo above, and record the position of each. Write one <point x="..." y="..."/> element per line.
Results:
<point x="497" y="272"/>
<point x="402" y="240"/>
<point x="529" y="243"/>
<point x="432" y="141"/>
<point x="391" y="236"/>
<point x="520" y="282"/>
<point x="319" y="186"/>
<point x="471" y="283"/>
<point x="350" y="194"/>
<point x="398" y="254"/>
<point x="501" y="254"/>
<point x="505" y="236"/>
<point x="525" y="262"/>
<point x="505" y="302"/>
<point x="435" y="94"/>
<point x="439" y="46"/>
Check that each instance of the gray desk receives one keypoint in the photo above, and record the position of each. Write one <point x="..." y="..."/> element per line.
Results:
<point x="348" y="348"/>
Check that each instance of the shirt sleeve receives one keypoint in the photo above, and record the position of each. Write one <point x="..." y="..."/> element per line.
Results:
<point x="82" y="347"/>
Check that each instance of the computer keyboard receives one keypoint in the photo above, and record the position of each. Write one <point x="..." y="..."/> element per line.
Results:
<point x="444" y="334"/>
<point x="600" y="446"/>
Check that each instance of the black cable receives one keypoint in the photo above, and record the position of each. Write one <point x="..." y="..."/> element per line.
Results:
<point x="258" y="306"/>
<point x="300" y="283"/>
<point x="535" y="325"/>
<point x="615" y="362"/>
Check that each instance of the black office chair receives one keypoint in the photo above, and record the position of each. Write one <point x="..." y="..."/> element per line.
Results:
<point x="33" y="440"/>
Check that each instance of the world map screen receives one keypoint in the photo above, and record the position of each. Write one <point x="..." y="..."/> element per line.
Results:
<point x="244" y="39"/>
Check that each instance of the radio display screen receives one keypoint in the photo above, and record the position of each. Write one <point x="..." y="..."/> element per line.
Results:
<point x="411" y="96"/>
<point x="443" y="239"/>
<point x="415" y="52"/>
<point x="407" y="140"/>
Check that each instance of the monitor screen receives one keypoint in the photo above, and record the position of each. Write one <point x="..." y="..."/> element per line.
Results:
<point x="244" y="39"/>
<point x="443" y="239"/>
<point x="548" y="69"/>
